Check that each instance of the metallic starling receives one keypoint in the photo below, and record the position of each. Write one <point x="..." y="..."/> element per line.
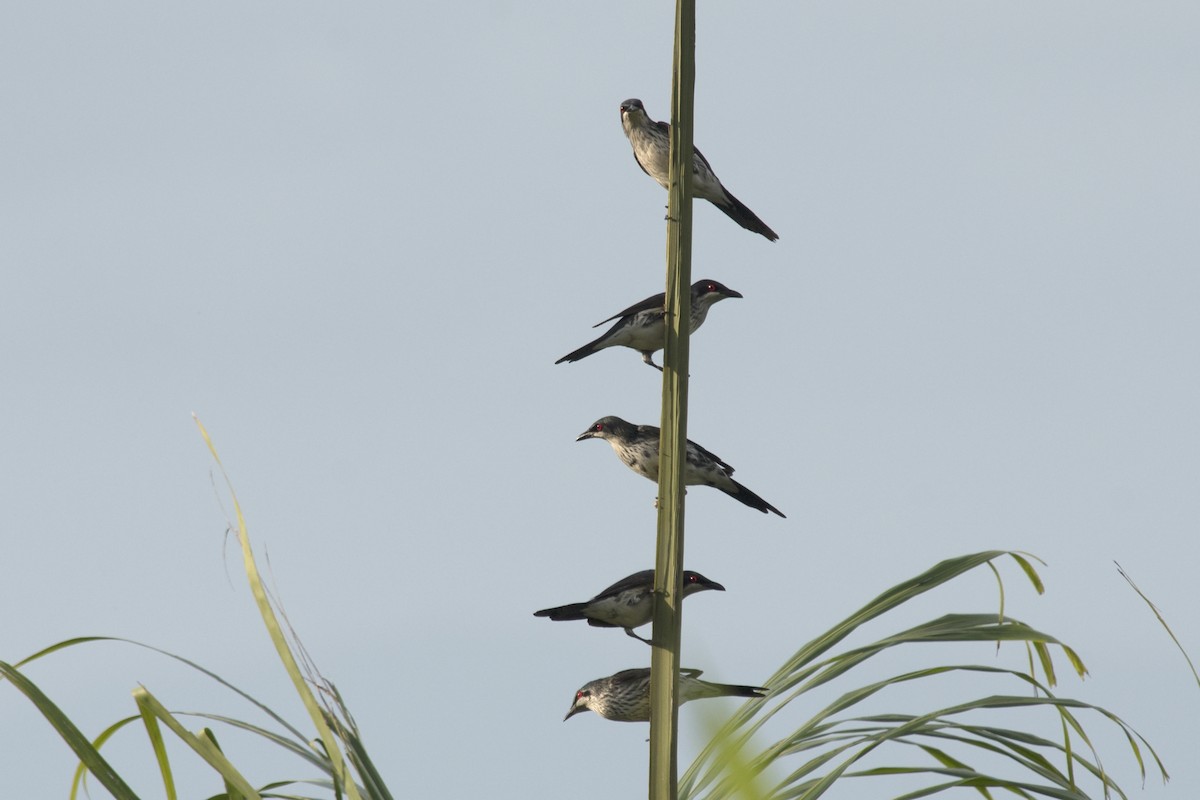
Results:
<point x="637" y="446"/>
<point x="651" y="148"/>
<point x="642" y="328"/>
<point x="628" y="603"/>
<point x="625" y="697"/>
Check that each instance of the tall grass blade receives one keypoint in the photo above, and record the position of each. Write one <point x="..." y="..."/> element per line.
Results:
<point x="154" y="733"/>
<point x="231" y="791"/>
<point x="1161" y="621"/>
<point x="79" y="779"/>
<point x="74" y="738"/>
<point x="282" y="648"/>
<point x="204" y="746"/>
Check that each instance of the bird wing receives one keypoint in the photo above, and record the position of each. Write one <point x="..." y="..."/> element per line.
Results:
<point x="658" y="301"/>
<point x="649" y="432"/>
<point x="639" y="163"/>
<point x="696" y="152"/>
<point x="665" y="127"/>
<point x="633" y="581"/>
<point x="726" y="468"/>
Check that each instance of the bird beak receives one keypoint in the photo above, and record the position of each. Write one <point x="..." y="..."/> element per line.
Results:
<point x="715" y="585"/>
<point x="574" y="710"/>
<point x="588" y="434"/>
<point x="733" y="293"/>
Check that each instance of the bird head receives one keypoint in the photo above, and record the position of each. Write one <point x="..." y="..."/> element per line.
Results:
<point x="605" y="428"/>
<point x="712" y="291"/>
<point x="695" y="582"/>
<point x="631" y="110"/>
<point x="583" y="702"/>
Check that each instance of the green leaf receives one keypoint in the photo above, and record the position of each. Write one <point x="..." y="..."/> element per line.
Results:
<point x="278" y="637"/>
<point x="834" y="746"/>
<point x="154" y="733"/>
<point x="75" y="739"/>
<point x="204" y="746"/>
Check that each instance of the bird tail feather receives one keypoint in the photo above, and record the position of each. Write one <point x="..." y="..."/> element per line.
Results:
<point x="583" y="352"/>
<point x="737" y="211"/>
<point x="732" y="690"/>
<point x="749" y="498"/>
<point x="562" y="613"/>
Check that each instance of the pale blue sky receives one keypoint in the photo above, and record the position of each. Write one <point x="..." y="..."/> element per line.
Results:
<point x="354" y="239"/>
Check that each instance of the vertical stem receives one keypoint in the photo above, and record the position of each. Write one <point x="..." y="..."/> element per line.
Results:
<point x="668" y="574"/>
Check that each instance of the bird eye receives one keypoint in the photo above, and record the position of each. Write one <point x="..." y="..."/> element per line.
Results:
<point x="598" y="426"/>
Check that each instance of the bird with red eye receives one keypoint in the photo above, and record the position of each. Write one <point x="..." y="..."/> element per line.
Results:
<point x="637" y="446"/>
<point x="642" y="326"/>
<point x="625" y="696"/>
<point x="628" y="603"/>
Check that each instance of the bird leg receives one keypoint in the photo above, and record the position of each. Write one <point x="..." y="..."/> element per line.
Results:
<point x="649" y="359"/>
<point x="629" y="632"/>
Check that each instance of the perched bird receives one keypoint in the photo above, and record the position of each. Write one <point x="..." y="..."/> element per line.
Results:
<point x="642" y="326"/>
<point x="628" y="603"/>
<point x="652" y="149"/>
<point x="637" y="446"/>
<point x="625" y="696"/>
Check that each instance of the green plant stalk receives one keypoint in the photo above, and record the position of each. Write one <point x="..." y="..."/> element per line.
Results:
<point x="205" y="747"/>
<point x="231" y="789"/>
<point x="668" y="574"/>
<point x="154" y="734"/>
<point x="315" y="712"/>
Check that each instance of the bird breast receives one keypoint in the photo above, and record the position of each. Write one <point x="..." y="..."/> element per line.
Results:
<point x="642" y="460"/>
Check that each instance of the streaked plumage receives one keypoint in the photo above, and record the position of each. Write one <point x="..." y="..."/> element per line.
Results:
<point x="642" y="326"/>
<point x="625" y="696"/>
<point x="637" y="446"/>
<point x="652" y="149"/>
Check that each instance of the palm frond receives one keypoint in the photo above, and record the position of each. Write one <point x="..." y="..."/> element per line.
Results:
<point x="835" y="746"/>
